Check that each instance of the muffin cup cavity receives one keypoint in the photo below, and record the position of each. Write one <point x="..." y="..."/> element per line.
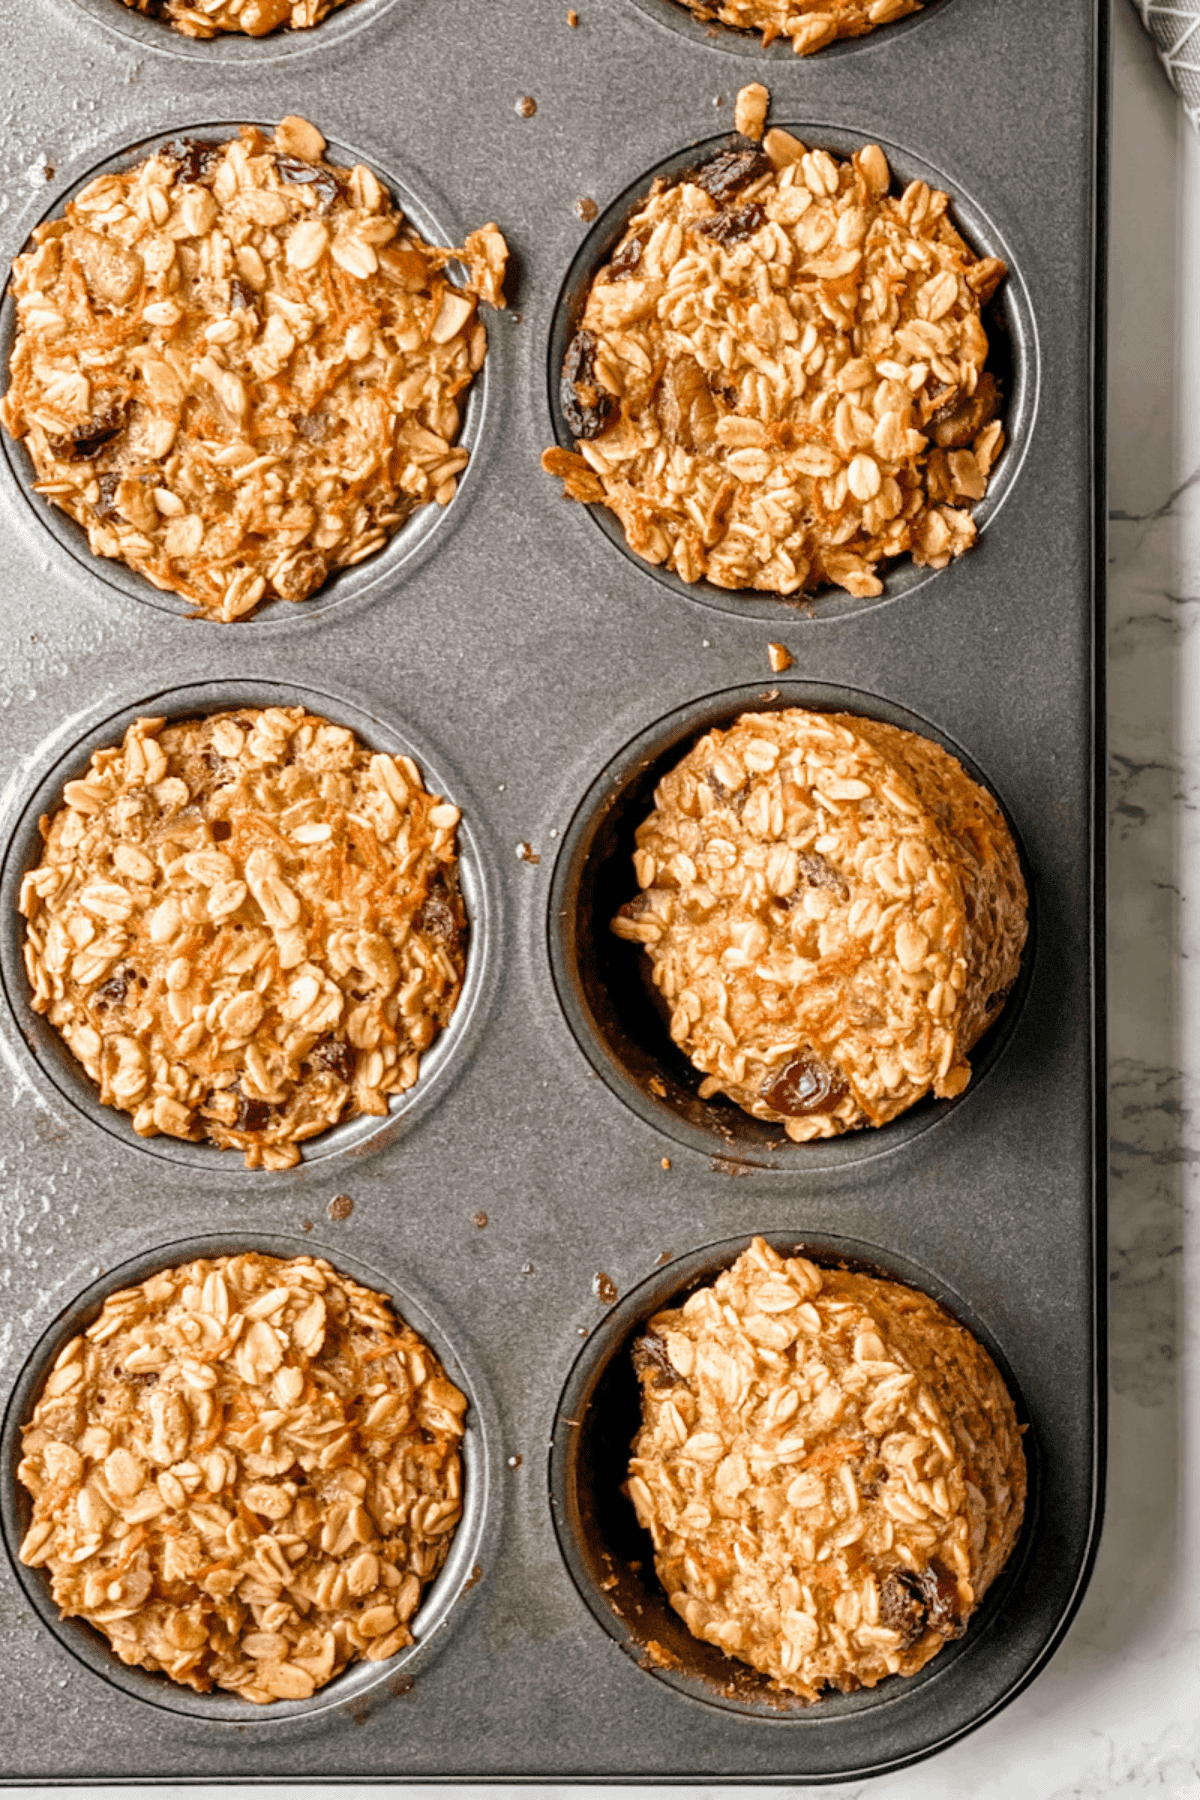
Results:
<point x="610" y="1557"/>
<point x="1013" y="359"/>
<point x="351" y="1689"/>
<point x="603" y="983"/>
<point x="414" y="539"/>
<point x="44" y="1055"/>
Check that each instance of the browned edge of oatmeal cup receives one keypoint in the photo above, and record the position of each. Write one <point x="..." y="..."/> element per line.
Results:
<point x="610" y="1557"/>
<point x="1014" y="358"/>
<point x="602" y="981"/>
<point x="711" y="33"/>
<point x="362" y="1684"/>
<point x="44" y="1057"/>
<point x="407" y="547"/>
<point x="157" y="35"/>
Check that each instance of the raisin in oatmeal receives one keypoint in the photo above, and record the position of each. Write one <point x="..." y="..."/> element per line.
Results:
<point x="253" y="18"/>
<point x="240" y="369"/>
<point x="247" y="927"/>
<point x="779" y="378"/>
<point x="809" y="26"/>
<point x="830" y="1469"/>
<point x="245" y="1473"/>
<point x="834" y="913"/>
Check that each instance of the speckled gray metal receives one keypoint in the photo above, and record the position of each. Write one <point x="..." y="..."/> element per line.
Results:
<point x="521" y="654"/>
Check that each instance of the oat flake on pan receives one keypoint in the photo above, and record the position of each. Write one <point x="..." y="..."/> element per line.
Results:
<point x="834" y="913"/>
<point x="830" y="1468"/>
<point x="239" y="368"/>
<point x="809" y="24"/>
<point x="247" y="927"/>
<point x="779" y="376"/>
<point x="254" y="18"/>
<point x="245" y="1473"/>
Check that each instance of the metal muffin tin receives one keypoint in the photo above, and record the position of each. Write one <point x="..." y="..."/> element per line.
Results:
<point x="532" y="668"/>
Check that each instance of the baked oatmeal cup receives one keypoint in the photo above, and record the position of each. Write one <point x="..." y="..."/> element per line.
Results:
<point x="780" y="377"/>
<point x="251" y="18"/>
<point x="240" y="369"/>
<point x="830" y="1469"/>
<point x="832" y="912"/>
<point x="247" y="927"/>
<point x="809" y="25"/>
<point x="244" y="1474"/>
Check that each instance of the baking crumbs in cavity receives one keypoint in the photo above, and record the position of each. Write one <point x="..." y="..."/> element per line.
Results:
<point x="527" y="106"/>
<point x="780" y="658"/>
<point x="586" y="208"/>
<point x="604" y="1288"/>
<point x="527" y="854"/>
<point x="481" y="1219"/>
<point x="341" y="1206"/>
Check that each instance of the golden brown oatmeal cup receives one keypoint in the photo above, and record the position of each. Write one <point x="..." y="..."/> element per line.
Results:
<point x="247" y="927"/>
<point x="239" y="368"/>
<point x="244" y="1473"/>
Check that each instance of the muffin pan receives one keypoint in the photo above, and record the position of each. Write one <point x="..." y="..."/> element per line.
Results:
<point x="537" y="677"/>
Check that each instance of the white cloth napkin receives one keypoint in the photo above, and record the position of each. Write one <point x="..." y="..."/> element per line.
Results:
<point x="1175" y="27"/>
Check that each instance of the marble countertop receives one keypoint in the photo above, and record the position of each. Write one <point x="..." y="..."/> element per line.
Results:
<point x="1118" y="1710"/>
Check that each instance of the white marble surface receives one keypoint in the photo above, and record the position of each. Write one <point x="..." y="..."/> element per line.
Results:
<point x="1118" y="1710"/>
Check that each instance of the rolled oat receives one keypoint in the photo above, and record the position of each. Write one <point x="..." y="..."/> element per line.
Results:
<point x="245" y="1474"/>
<point x="834" y="913"/>
<point x="830" y="1469"/>
<point x="247" y="927"/>
<point x="779" y="378"/>
<point x="238" y="367"/>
